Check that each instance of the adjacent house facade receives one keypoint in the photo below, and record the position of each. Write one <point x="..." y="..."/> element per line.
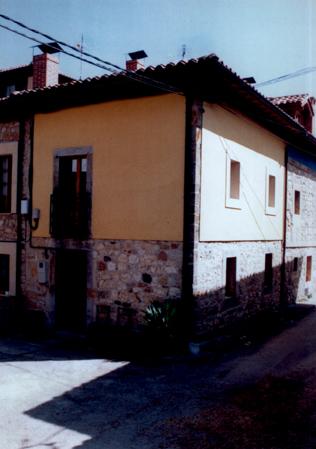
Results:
<point x="176" y="184"/>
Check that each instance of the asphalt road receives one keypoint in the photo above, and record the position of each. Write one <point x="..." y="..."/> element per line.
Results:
<point x="57" y="398"/>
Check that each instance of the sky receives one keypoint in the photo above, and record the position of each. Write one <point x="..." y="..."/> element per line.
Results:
<point x="260" y="38"/>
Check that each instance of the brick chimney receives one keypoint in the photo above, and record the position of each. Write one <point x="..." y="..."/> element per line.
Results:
<point x="45" y="70"/>
<point x="133" y="65"/>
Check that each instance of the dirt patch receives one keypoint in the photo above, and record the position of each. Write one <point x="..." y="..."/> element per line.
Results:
<point x="274" y="413"/>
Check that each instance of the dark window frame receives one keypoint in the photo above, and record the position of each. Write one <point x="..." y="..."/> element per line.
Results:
<point x="231" y="277"/>
<point x="4" y="273"/>
<point x="268" y="273"/>
<point x="309" y="264"/>
<point x="6" y="198"/>
<point x="57" y="224"/>
<point x="297" y="202"/>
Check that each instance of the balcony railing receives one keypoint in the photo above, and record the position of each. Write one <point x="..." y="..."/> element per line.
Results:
<point x="70" y="215"/>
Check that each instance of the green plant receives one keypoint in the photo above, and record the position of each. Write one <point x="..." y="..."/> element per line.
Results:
<point x="161" y="318"/>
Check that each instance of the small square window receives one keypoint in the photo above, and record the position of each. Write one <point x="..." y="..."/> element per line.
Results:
<point x="308" y="268"/>
<point x="10" y="89"/>
<point x="231" y="273"/>
<point x="297" y="202"/>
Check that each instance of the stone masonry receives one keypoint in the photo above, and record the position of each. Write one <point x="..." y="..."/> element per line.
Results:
<point x="301" y="233"/>
<point x="9" y="132"/>
<point x="213" y="309"/>
<point x="124" y="277"/>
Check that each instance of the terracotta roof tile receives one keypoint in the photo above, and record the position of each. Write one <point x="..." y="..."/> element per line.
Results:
<point x="302" y="99"/>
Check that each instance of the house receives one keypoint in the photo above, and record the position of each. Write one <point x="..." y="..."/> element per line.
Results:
<point x="168" y="183"/>
<point x="300" y="107"/>
<point x="41" y="72"/>
<point x="301" y="202"/>
<point x="15" y="137"/>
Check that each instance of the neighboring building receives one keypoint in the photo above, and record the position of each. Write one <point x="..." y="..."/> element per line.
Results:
<point x="300" y="107"/>
<point x="301" y="206"/>
<point x="170" y="185"/>
<point x="15" y="142"/>
<point x="43" y="71"/>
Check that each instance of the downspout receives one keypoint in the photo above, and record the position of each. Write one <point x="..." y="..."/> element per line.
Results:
<point x="283" y="289"/>
<point x="193" y="125"/>
<point x="19" y="244"/>
<point x="30" y="188"/>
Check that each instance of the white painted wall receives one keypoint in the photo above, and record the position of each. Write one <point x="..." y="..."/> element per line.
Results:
<point x="226" y="136"/>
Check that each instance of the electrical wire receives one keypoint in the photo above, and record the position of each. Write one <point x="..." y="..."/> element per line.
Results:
<point x="286" y="77"/>
<point x="63" y="51"/>
<point x="230" y="153"/>
<point x="100" y="62"/>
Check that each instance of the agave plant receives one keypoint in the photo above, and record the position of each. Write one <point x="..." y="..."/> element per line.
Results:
<point x="161" y="317"/>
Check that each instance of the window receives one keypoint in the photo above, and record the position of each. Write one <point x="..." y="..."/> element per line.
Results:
<point x="297" y="202"/>
<point x="231" y="272"/>
<point x="295" y="264"/>
<point x="71" y="198"/>
<point x="234" y="180"/>
<point x="10" y="89"/>
<point x="268" y="273"/>
<point x="5" y="183"/>
<point x="233" y="190"/>
<point x="4" y="274"/>
<point x="308" y="268"/>
<point x="271" y="191"/>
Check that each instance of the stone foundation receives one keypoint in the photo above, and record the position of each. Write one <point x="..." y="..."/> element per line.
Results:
<point x="124" y="277"/>
<point x="212" y="308"/>
<point x="299" y="290"/>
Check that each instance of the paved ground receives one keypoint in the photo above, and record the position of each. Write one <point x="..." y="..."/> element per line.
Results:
<point x="61" y="399"/>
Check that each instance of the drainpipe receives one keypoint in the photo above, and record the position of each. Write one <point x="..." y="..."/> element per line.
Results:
<point x="193" y="130"/>
<point x="283" y="289"/>
<point x="19" y="243"/>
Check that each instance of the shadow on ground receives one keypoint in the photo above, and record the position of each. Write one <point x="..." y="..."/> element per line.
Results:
<point x="176" y="402"/>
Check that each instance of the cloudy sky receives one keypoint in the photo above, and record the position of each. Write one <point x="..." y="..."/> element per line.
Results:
<point x="262" y="38"/>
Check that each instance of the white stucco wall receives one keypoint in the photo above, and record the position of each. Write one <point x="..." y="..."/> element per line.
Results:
<point x="229" y="136"/>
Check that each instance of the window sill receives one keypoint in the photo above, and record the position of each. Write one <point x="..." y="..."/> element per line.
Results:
<point x="270" y="211"/>
<point x="233" y="204"/>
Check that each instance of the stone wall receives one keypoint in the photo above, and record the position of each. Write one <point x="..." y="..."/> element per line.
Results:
<point x="212" y="308"/>
<point x="301" y="232"/>
<point x="299" y="290"/>
<point x="301" y="228"/>
<point x="8" y="226"/>
<point x="9" y="132"/>
<point x="124" y="277"/>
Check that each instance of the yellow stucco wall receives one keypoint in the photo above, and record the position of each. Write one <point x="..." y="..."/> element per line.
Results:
<point x="138" y="165"/>
<point x="228" y="136"/>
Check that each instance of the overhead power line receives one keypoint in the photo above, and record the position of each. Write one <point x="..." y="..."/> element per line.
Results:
<point x="101" y="63"/>
<point x="63" y="51"/>
<point x="286" y="77"/>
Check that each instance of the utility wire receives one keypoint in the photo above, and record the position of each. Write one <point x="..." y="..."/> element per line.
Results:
<point x="286" y="77"/>
<point x="51" y="46"/>
<point x="132" y="75"/>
